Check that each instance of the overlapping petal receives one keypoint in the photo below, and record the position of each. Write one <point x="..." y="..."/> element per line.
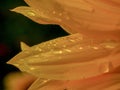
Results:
<point x="102" y="82"/>
<point x="59" y="58"/>
<point x="76" y="15"/>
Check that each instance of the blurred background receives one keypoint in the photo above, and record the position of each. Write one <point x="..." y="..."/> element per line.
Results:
<point x="15" y="28"/>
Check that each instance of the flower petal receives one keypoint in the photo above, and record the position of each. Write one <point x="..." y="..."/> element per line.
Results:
<point x="97" y="19"/>
<point x="49" y="12"/>
<point x="30" y="13"/>
<point x="109" y="81"/>
<point x="59" y="58"/>
<point x="93" y="18"/>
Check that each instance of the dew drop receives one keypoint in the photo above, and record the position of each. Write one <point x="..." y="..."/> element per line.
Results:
<point x="68" y="50"/>
<point x="17" y="65"/>
<point x="60" y="14"/>
<point x="95" y="48"/>
<point x="71" y="40"/>
<point x="54" y="44"/>
<point x="31" y="14"/>
<point x="80" y="48"/>
<point x="110" y="44"/>
<point x="54" y="12"/>
<point x="32" y="68"/>
<point x="38" y="49"/>
<point x="59" y="52"/>
<point x="105" y="67"/>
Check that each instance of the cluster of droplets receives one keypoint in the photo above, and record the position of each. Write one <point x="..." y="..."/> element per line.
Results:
<point x="71" y="51"/>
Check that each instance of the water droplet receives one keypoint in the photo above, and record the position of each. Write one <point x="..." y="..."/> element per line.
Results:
<point x="38" y="49"/>
<point x="71" y="40"/>
<point x="80" y="48"/>
<point x="54" y="12"/>
<point x="54" y="44"/>
<point x="17" y="65"/>
<point x="95" y="48"/>
<point x="59" y="52"/>
<point x="110" y="44"/>
<point x="45" y="81"/>
<point x="32" y="68"/>
<point x="68" y="50"/>
<point x="106" y="67"/>
<point x="31" y="13"/>
<point x="60" y="14"/>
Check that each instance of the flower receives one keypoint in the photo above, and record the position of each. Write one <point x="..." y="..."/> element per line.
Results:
<point x="88" y="59"/>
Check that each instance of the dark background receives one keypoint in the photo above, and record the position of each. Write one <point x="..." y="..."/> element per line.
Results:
<point x="15" y="28"/>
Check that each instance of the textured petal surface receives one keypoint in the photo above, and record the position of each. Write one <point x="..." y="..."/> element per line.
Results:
<point x="59" y="58"/>
<point x="34" y="15"/>
<point x="102" y="82"/>
<point x="86" y="61"/>
<point x="96" y="16"/>
<point x="77" y="15"/>
<point x="45" y="14"/>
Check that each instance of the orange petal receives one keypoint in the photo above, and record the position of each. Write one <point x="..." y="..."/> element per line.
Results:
<point x="59" y="58"/>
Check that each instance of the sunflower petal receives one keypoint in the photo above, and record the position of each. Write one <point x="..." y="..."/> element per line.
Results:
<point x="59" y="58"/>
